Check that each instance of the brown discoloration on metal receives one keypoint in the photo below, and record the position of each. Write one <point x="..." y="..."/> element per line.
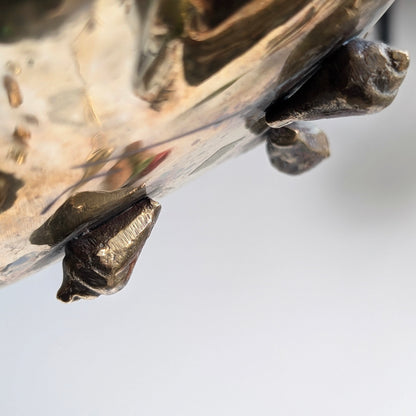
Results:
<point x="21" y="134"/>
<point x="13" y="91"/>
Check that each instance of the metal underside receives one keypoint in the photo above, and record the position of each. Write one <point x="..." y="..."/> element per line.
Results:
<point x="107" y="93"/>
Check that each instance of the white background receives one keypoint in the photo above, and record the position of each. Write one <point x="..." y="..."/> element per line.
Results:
<point x="257" y="293"/>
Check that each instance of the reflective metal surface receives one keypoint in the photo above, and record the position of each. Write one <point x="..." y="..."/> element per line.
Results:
<point x="100" y="260"/>
<point x="361" y="77"/>
<point x="103" y="94"/>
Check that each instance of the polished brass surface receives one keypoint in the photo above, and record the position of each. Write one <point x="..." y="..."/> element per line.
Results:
<point x="102" y="94"/>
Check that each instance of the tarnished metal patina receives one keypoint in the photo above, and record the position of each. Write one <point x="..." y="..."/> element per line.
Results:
<point x="105" y="98"/>
<point x="296" y="148"/>
<point x="100" y="260"/>
<point x="361" y="77"/>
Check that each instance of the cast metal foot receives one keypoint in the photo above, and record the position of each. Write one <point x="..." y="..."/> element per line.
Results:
<point x="101" y="259"/>
<point x="296" y="148"/>
<point x="360" y="77"/>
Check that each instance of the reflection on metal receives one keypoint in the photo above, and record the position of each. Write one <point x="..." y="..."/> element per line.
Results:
<point x="207" y="35"/>
<point x="296" y="148"/>
<point x="101" y="259"/>
<point x="82" y="210"/>
<point x="361" y="77"/>
<point x="4" y="188"/>
<point x="19" y="148"/>
<point x="13" y="91"/>
<point x="30" y="119"/>
<point x="134" y="166"/>
<point x="385" y="26"/>
<point x="95" y="163"/>
<point x="218" y="155"/>
<point x="177" y="80"/>
<point x="26" y="18"/>
<point x="9" y="186"/>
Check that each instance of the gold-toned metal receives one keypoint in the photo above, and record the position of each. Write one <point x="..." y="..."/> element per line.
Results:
<point x="21" y="134"/>
<point x="13" y="91"/>
<point x="188" y="79"/>
<point x="19" y="147"/>
<point x="97" y="156"/>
